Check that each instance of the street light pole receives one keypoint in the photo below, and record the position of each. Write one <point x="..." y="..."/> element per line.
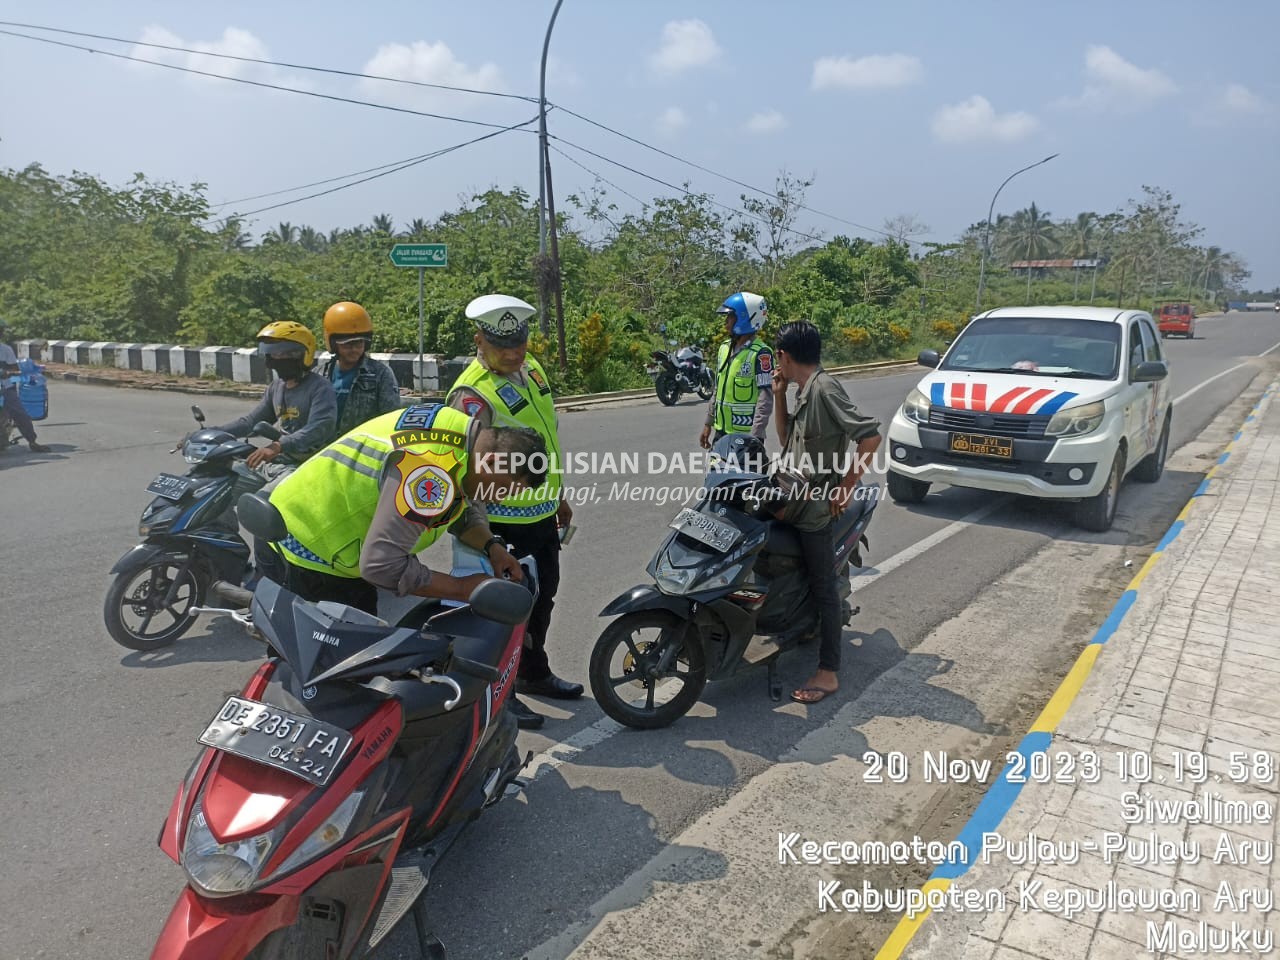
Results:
<point x="986" y="229"/>
<point x="542" y="167"/>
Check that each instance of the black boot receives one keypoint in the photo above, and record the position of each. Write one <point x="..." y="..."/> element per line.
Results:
<point x="526" y="719"/>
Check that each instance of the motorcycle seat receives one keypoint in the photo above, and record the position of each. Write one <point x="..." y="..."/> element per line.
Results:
<point x="782" y="540"/>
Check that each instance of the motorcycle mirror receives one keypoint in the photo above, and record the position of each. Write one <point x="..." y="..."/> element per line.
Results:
<point x="264" y="429"/>
<point x="197" y="413"/>
<point x="501" y="601"/>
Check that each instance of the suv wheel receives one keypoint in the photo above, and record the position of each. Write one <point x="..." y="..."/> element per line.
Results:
<point x="906" y="489"/>
<point x="1151" y="467"/>
<point x="1097" y="513"/>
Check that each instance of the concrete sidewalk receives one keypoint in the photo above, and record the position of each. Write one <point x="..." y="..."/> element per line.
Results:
<point x="1099" y="857"/>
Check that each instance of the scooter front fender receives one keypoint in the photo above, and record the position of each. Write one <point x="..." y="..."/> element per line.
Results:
<point x="138" y="557"/>
<point x="204" y="929"/>
<point x="648" y="597"/>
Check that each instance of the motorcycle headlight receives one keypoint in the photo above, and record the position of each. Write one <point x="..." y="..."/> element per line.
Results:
<point x="157" y="519"/>
<point x="1076" y="421"/>
<point x="672" y="580"/>
<point x="223" y="869"/>
<point x="916" y="406"/>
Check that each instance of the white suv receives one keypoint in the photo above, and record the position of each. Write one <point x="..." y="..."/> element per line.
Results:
<point x="1055" y="402"/>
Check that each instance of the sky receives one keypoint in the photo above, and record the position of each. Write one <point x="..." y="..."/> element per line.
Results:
<point x="893" y="109"/>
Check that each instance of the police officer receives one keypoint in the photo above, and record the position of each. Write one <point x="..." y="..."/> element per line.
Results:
<point x="360" y="511"/>
<point x="505" y="386"/>
<point x="743" y="399"/>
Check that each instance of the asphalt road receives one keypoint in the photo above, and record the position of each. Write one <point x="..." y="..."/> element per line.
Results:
<point x="97" y="738"/>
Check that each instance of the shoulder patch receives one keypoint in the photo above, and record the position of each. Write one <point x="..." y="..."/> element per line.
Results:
<point x="426" y="490"/>
<point x="419" y="416"/>
<point x="539" y="381"/>
<point x="765" y="361"/>
<point x="471" y="405"/>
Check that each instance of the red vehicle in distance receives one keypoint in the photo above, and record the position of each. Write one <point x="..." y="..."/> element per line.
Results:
<point x="1176" y="317"/>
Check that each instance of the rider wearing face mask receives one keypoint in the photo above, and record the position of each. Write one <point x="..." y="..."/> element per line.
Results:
<point x="299" y="402"/>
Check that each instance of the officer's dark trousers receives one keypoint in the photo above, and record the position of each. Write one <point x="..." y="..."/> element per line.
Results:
<point x="819" y="558"/>
<point x="18" y="414"/>
<point x="540" y="540"/>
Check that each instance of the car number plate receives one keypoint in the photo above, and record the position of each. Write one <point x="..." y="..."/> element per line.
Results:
<point x="303" y="746"/>
<point x="981" y="445"/>
<point x="170" y="487"/>
<point x="714" y="533"/>
<point x="652" y="370"/>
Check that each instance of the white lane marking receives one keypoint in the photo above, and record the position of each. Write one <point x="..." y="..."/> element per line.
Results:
<point x="1178" y="400"/>
<point x="928" y="543"/>
<point x="1268" y="350"/>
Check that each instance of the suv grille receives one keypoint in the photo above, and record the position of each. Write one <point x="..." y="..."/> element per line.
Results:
<point x="1002" y="425"/>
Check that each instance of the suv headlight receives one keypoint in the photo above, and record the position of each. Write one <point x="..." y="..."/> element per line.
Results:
<point x="1076" y="421"/>
<point x="916" y="406"/>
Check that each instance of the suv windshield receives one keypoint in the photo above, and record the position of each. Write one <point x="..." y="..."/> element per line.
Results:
<point x="1037" y="346"/>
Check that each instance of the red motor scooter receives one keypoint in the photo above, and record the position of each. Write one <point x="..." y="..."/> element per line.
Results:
<point x="333" y="784"/>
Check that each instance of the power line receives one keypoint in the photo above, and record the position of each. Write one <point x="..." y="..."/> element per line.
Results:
<point x="255" y="83"/>
<point x="271" y="63"/>
<point x="583" y="166"/>
<point x="725" y="176"/>
<point x="684" y="190"/>
<point x="403" y="166"/>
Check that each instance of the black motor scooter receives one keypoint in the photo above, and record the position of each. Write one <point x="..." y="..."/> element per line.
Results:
<point x="730" y="591"/>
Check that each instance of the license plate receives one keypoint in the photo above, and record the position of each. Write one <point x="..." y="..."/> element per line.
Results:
<point x="168" y="486"/>
<point x="303" y="746"/>
<point x="651" y="371"/>
<point x="714" y="533"/>
<point x="981" y="445"/>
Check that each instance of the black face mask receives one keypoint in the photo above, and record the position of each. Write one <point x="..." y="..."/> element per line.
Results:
<point x="286" y="368"/>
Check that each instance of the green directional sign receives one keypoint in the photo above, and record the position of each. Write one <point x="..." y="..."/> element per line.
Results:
<point x="420" y="254"/>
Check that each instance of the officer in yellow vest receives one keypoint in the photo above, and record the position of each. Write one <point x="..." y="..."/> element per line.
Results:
<point x="743" y="397"/>
<point x="360" y="510"/>
<point x="505" y="386"/>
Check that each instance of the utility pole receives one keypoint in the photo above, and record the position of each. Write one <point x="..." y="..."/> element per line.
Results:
<point x="543" y="167"/>
<point x="555" y="263"/>
<point x="986" y="231"/>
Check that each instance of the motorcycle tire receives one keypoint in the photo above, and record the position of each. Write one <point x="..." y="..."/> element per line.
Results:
<point x="667" y="389"/>
<point x="132" y="590"/>
<point x="706" y="388"/>
<point x="617" y="638"/>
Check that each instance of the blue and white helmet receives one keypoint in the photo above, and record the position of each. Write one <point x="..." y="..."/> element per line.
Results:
<point x="749" y="312"/>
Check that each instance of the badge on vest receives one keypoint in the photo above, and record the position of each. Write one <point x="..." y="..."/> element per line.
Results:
<point x="512" y="398"/>
<point x="407" y="438"/>
<point x="745" y="369"/>
<point x="538" y="381"/>
<point x="426" y="491"/>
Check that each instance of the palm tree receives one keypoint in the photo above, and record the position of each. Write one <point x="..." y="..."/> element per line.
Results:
<point x="335" y="235"/>
<point x="1210" y="268"/>
<point x="311" y="239"/>
<point x="284" y="233"/>
<point x="233" y="235"/>
<point x="382" y="223"/>
<point x="417" y="227"/>
<point x="1079" y="241"/>
<point x="1030" y="235"/>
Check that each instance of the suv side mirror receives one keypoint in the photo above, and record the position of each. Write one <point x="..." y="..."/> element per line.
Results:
<point x="1149" y="371"/>
<point x="928" y="358"/>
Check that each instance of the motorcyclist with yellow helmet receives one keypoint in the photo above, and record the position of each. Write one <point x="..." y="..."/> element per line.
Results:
<point x="365" y="387"/>
<point x="299" y="401"/>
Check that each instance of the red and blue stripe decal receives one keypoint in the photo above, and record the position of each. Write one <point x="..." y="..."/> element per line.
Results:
<point x="975" y="396"/>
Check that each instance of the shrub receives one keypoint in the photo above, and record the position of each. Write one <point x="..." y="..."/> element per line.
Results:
<point x="945" y="330"/>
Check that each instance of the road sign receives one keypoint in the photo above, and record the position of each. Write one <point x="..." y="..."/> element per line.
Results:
<point x="420" y="254"/>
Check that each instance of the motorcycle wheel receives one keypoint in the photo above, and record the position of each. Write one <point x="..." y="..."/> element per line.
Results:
<point x="706" y="388"/>
<point x="625" y="676"/>
<point x="667" y="389"/>
<point x="133" y="604"/>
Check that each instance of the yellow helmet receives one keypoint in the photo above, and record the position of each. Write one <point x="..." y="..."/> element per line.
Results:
<point x="291" y="331"/>
<point x="346" y="319"/>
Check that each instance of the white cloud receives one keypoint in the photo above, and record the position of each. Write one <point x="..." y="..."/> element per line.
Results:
<point x="429" y="63"/>
<point x="1112" y="81"/>
<point x="1240" y="99"/>
<point x="685" y="44"/>
<point x="877" y="70"/>
<point x="233" y="42"/>
<point x="767" y="121"/>
<point x="975" y="119"/>
<point x="672" y="121"/>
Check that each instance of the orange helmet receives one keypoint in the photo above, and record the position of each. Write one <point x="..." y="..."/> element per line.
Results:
<point x="347" y="319"/>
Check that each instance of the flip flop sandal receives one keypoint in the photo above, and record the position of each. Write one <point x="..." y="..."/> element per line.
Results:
<point x="822" y="692"/>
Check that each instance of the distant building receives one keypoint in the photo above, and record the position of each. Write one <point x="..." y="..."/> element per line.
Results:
<point x="1055" y="264"/>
